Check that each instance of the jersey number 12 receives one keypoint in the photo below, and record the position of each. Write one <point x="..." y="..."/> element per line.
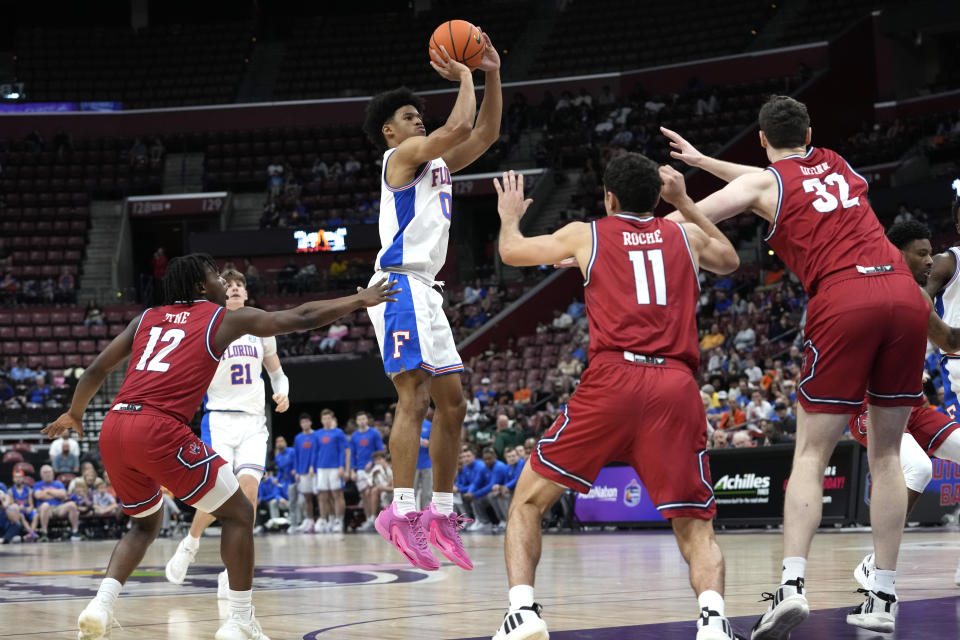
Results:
<point x="173" y="336"/>
<point x="655" y="257"/>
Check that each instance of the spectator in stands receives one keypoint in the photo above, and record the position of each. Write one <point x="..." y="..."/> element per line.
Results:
<point x="66" y="287"/>
<point x="719" y="440"/>
<point x="561" y="320"/>
<point x="22" y="495"/>
<point x="782" y="416"/>
<point x="65" y="461"/>
<point x="156" y="153"/>
<point x="381" y="478"/>
<point x="9" y="287"/>
<point x="522" y="396"/>
<point x="733" y="416"/>
<point x="485" y="395"/>
<point x="38" y="396"/>
<point x="138" y="154"/>
<point x="708" y="105"/>
<point x="742" y="440"/>
<point x="57" y="446"/>
<point x="507" y="436"/>
<point x="7" y="395"/>
<point x="477" y="499"/>
<point x="758" y="409"/>
<point x="351" y="166"/>
<point x="94" y="315"/>
<point x="10" y="517"/>
<point x="502" y="494"/>
<point x="50" y="496"/>
<point x="159" y="261"/>
<point x="746" y="338"/>
<point x="472" y="417"/>
<point x="753" y="372"/>
<point x="272" y="495"/>
<point x="713" y="339"/>
<point x="570" y="365"/>
<point x="80" y="495"/>
<point x="335" y="333"/>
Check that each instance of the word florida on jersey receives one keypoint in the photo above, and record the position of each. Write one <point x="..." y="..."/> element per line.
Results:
<point x="241" y="350"/>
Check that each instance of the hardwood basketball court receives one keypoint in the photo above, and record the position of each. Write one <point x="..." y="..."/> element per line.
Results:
<point x="603" y="586"/>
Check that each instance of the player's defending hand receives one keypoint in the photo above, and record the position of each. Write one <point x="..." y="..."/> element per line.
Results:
<point x="283" y="402"/>
<point x="446" y="66"/>
<point x="490" y="61"/>
<point x="674" y="189"/>
<point x="62" y="425"/>
<point x="510" y="202"/>
<point x="682" y="150"/>
<point x="381" y="291"/>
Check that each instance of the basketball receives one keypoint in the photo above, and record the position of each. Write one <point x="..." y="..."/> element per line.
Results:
<point x="462" y="41"/>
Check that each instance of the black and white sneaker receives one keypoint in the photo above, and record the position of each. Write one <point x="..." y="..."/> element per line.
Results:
<point x="524" y="623"/>
<point x="864" y="571"/>
<point x="788" y="608"/>
<point x="876" y="613"/>
<point x="713" y="626"/>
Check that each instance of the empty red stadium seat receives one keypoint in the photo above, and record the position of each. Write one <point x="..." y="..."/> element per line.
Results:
<point x="98" y="331"/>
<point x="40" y="317"/>
<point x="29" y="348"/>
<point x="75" y="316"/>
<point x="61" y="331"/>
<point x="12" y="456"/>
<point x="54" y="362"/>
<point x="67" y="346"/>
<point x="86" y="346"/>
<point x="79" y="331"/>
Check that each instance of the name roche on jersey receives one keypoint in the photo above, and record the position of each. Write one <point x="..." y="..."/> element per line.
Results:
<point x="634" y="238"/>
<point x="241" y="351"/>
<point x="823" y="167"/>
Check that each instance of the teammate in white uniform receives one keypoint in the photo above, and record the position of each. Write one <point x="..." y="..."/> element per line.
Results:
<point x="234" y="421"/>
<point x="943" y="285"/>
<point x="416" y="343"/>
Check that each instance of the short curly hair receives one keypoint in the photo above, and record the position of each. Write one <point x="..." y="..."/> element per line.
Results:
<point x="903" y="233"/>
<point x="381" y="108"/>
<point x="785" y="122"/>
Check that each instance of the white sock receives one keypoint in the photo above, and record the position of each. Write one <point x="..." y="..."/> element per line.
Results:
<point x="108" y="592"/>
<point x="190" y="542"/>
<point x="521" y="596"/>
<point x="405" y="499"/>
<point x="793" y="568"/>
<point x="711" y="600"/>
<point x="241" y="604"/>
<point x="443" y="502"/>
<point x="883" y="581"/>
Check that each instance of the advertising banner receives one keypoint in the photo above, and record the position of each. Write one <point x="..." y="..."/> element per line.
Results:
<point x="617" y="497"/>
<point x="939" y="499"/>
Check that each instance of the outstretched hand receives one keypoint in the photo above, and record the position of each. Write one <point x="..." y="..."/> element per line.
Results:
<point x="446" y="66"/>
<point x="510" y="202"/>
<point x="62" y="425"/>
<point x="490" y="60"/>
<point x="682" y="150"/>
<point x="282" y="401"/>
<point x="380" y="291"/>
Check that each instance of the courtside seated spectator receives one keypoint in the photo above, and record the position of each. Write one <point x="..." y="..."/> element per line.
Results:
<point x="51" y="499"/>
<point x="742" y="440"/>
<point x="10" y="525"/>
<point x="502" y="494"/>
<point x="81" y="496"/>
<point x="65" y="461"/>
<point x="381" y="478"/>
<point x="478" y="498"/>
<point x="272" y="495"/>
<point x="104" y="504"/>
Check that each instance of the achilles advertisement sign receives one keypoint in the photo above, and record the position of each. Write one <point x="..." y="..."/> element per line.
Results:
<point x="749" y="484"/>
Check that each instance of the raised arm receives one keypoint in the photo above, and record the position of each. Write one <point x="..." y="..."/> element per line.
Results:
<point x="278" y="380"/>
<point x="416" y="150"/>
<point x="487" y="129"/>
<point x="712" y="249"/>
<point x="938" y="331"/>
<point x="89" y="383"/>
<point x="756" y="192"/>
<point x="683" y="150"/>
<point x="307" y="316"/>
<point x="575" y="239"/>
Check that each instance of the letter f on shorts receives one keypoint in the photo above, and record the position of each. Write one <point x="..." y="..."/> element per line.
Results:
<point x="398" y="339"/>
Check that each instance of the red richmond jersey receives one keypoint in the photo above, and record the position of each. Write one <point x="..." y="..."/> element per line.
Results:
<point x="824" y="222"/>
<point x="173" y="359"/>
<point x="641" y="289"/>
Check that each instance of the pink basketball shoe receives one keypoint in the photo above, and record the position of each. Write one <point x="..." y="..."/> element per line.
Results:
<point x="445" y="535"/>
<point x="407" y="533"/>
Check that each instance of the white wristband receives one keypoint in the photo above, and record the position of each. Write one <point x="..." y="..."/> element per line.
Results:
<point x="279" y="382"/>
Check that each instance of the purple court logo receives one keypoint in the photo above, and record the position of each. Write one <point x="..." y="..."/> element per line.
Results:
<point x="27" y="586"/>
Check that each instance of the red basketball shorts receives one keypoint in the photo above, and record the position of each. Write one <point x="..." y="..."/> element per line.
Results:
<point x="928" y="427"/>
<point x="145" y="449"/>
<point x="648" y="416"/>
<point x="864" y="335"/>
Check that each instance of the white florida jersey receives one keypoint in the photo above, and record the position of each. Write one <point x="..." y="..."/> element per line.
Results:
<point x="237" y="385"/>
<point x="415" y="221"/>
<point x="947" y="303"/>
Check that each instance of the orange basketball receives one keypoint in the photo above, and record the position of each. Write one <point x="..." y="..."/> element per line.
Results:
<point x="461" y="40"/>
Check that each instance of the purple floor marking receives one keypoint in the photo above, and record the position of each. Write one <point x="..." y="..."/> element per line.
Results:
<point x="936" y="618"/>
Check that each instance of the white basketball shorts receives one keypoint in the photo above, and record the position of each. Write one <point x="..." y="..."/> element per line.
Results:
<point x="413" y="332"/>
<point x="239" y="438"/>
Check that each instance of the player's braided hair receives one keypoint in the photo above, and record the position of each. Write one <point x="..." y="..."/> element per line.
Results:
<point x="382" y="107"/>
<point x="183" y="275"/>
<point x="903" y="233"/>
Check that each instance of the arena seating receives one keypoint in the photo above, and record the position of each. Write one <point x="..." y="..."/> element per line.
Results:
<point x="344" y="55"/>
<point x="160" y="66"/>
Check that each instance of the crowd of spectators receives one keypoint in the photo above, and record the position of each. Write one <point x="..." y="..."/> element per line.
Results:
<point x="30" y="290"/>
<point x="24" y="388"/>
<point x="70" y="498"/>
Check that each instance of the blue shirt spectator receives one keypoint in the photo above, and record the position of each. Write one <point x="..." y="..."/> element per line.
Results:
<point x="471" y="468"/>
<point x="40" y="486"/>
<point x="485" y="395"/>
<point x="514" y="473"/>
<point x="285" y="459"/>
<point x="492" y="472"/>
<point x="331" y="448"/>
<point x="305" y="451"/>
<point x="576" y="309"/>
<point x="423" y="458"/>
<point x="364" y="442"/>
